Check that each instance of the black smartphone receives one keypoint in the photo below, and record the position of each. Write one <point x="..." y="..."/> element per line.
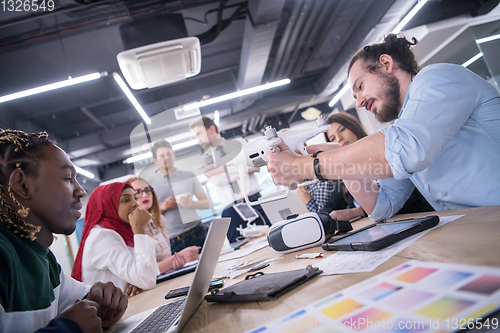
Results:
<point x="380" y="235"/>
<point x="216" y="284"/>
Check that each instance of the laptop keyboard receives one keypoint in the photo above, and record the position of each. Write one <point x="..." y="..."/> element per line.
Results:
<point x="162" y="318"/>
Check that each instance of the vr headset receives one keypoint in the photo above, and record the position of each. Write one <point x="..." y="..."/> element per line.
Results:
<point x="304" y="231"/>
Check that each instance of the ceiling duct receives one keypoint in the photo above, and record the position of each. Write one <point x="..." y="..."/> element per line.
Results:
<point x="152" y="29"/>
<point x="434" y="10"/>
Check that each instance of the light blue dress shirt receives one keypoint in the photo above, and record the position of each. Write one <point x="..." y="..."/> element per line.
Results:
<point x="446" y="142"/>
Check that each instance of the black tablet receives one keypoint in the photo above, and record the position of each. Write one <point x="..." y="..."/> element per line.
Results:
<point x="178" y="272"/>
<point x="379" y="235"/>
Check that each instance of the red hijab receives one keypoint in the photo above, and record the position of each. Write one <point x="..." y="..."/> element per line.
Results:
<point x="102" y="209"/>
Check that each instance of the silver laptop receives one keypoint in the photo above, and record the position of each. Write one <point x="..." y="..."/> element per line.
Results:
<point x="278" y="210"/>
<point x="181" y="310"/>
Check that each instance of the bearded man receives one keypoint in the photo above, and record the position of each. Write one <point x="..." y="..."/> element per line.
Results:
<point x="445" y="139"/>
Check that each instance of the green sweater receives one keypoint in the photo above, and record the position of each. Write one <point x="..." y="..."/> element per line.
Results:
<point x="33" y="288"/>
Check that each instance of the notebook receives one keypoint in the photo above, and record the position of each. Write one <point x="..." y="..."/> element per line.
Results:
<point x="182" y="309"/>
<point x="278" y="210"/>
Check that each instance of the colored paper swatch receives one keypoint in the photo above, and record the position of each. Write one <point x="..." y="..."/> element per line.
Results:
<point x="302" y="325"/>
<point x="486" y="284"/>
<point x="380" y="291"/>
<point x="397" y="269"/>
<point x="342" y="308"/>
<point x="446" y="279"/>
<point x="327" y="300"/>
<point x="483" y="312"/>
<point x="407" y="299"/>
<point x="415" y="274"/>
<point x="366" y="319"/>
<point x="445" y="308"/>
<point x="294" y="315"/>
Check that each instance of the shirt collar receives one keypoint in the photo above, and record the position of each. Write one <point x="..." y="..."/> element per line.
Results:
<point x="407" y="97"/>
<point x="208" y="151"/>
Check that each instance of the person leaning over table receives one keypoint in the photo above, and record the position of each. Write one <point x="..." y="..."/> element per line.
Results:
<point x="346" y="129"/>
<point x="40" y="196"/>
<point x="445" y="139"/>
<point x="114" y="246"/>
<point x="321" y="196"/>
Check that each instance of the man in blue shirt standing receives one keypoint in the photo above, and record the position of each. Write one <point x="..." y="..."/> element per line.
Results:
<point x="445" y="139"/>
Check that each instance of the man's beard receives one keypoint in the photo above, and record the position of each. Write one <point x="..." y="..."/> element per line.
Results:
<point x="389" y="110"/>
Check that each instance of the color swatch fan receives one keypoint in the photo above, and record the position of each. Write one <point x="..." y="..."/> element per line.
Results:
<point x="413" y="297"/>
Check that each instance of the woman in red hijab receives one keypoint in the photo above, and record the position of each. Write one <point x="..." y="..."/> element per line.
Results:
<point x="114" y="246"/>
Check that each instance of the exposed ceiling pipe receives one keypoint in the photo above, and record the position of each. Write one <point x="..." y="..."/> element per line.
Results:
<point x="261" y="122"/>
<point x="97" y="144"/>
<point x="244" y="126"/>
<point x="314" y="41"/>
<point x="293" y="37"/>
<point x="293" y="114"/>
<point x="93" y="118"/>
<point x="250" y="124"/>
<point x="255" y="123"/>
<point x="260" y="29"/>
<point x="110" y="16"/>
<point x="357" y="32"/>
<point x="305" y="34"/>
<point x="284" y="39"/>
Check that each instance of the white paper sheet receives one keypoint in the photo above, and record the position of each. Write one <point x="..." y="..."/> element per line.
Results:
<point x="260" y="244"/>
<point x="366" y="261"/>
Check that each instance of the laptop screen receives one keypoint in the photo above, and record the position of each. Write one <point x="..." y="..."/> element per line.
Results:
<point x="206" y="267"/>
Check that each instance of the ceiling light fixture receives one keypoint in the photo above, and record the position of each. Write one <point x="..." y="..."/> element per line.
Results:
<point x="216" y="117"/>
<point x="139" y="157"/>
<point x="339" y="95"/>
<point x="310" y="113"/>
<point x="396" y="30"/>
<point x="84" y="172"/>
<point x="131" y="98"/>
<point x="471" y="60"/>
<point x="409" y="16"/>
<point x="237" y="94"/>
<point x="52" y="86"/>
<point x="185" y="144"/>
<point x="487" y="39"/>
<point x="178" y="146"/>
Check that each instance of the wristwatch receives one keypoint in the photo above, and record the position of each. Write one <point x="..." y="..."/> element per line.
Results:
<point x="317" y="172"/>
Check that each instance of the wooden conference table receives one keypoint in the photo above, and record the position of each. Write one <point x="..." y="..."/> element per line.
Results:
<point x="472" y="239"/>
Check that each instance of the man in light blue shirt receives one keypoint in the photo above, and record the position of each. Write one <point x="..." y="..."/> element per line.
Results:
<point x="445" y="140"/>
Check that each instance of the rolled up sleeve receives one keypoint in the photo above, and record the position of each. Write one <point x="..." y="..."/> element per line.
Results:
<point x="435" y="108"/>
<point x="391" y="197"/>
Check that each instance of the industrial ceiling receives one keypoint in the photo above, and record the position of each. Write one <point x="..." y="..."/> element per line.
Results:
<point x="243" y="44"/>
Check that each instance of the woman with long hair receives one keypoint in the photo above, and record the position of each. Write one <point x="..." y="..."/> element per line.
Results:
<point x="156" y="228"/>
<point x="346" y="129"/>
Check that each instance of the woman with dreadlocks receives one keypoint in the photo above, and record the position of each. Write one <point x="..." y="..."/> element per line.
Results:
<point x="39" y="196"/>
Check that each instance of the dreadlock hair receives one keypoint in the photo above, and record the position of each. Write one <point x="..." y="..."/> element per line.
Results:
<point x="398" y="47"/>
<point x="348" y="121"/>
<point x="19" y="150"/>
<point x="155" y="207"/>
